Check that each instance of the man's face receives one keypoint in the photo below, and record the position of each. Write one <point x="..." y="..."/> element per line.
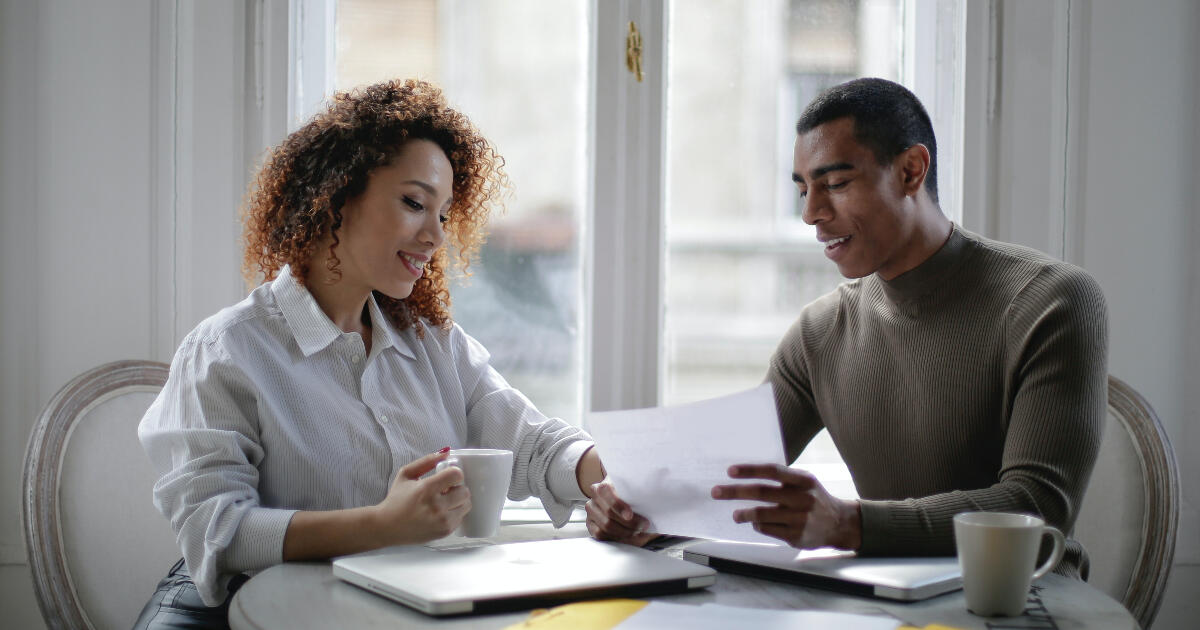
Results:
<point x="857" y="205"/>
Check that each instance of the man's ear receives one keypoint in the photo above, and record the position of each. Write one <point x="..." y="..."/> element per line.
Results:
<point x="914" y="166"/>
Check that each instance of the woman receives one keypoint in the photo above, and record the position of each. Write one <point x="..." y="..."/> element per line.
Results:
<point x="300" y="423"/>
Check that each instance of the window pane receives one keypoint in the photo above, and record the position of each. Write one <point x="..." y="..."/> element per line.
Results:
<point x="519" y="69"/>
<point x="741" y="263"/>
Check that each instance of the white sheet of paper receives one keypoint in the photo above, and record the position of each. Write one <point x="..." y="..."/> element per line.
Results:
<point x="664" y="461"/>
<point x="718" y="617"/>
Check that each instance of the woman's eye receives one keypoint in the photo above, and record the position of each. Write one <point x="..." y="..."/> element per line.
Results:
<point x="443" y="218"/>
<point x="413" y="203"/>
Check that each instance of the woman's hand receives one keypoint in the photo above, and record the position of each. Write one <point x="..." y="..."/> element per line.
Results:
<point x="414" y="511"/>
<point x="610" y="518"/>
<point x="799" y="510"/>
<point x="419" y="510"/>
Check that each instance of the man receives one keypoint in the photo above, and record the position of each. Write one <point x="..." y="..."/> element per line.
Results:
<point x="954" y="373"/>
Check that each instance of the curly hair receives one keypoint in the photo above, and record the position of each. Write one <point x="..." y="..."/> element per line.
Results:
<point x="297" y="197"/>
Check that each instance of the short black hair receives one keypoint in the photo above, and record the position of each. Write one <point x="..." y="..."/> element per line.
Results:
<point x="888" y="119"/>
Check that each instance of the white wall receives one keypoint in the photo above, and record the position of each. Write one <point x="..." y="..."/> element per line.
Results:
<point x="1137" y="231"/>
<point x="128" y="131"/>
<point x="115" y="184"/>
<point x="1094" y="159"/>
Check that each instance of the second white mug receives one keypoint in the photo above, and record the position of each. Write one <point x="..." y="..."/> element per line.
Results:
<point x="486" y="473"/>
<point x="997" y="552"/>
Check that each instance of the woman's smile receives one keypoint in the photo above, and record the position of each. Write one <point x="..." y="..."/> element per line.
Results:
<point x="415" y="263"/>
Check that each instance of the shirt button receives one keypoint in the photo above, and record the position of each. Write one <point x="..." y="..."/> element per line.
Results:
<point x="356" y="358"/>
<point x="383" y="419"/>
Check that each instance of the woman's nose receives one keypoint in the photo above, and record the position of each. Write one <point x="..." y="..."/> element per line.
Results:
<point x="434" y="231"/>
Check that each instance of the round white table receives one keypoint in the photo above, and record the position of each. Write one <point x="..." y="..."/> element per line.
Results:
<point x="307" y="595"/>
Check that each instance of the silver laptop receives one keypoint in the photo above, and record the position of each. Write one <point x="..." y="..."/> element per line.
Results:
<point x="904" y="579"/>
<point x="516" y="576"/>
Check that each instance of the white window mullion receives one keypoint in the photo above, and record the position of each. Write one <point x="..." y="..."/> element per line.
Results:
<point x="977" y="78"/>
<point x="933" y="58"/>
<point x="312" y="53"/>
<point x="625" y="262"/>
<point x="268" y="102"/>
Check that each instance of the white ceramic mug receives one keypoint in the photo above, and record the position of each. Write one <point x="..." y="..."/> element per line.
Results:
<point x="997" y="552"/>
<point x="486" y="472"/>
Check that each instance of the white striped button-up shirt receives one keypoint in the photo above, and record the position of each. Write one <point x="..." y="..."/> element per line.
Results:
<point x="270" y="408"/>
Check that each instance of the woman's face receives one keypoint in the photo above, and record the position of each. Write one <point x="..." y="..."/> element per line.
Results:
<point x="392" y="229"/>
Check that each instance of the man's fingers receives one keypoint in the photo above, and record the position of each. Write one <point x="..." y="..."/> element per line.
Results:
<point x="777" y="472"/>
<point x="772" y="514"/>
<point x="417" y="468"/>
<point x="751" y="492"/>
<point x="787" y="496"/>
<point x="782" y="532"/>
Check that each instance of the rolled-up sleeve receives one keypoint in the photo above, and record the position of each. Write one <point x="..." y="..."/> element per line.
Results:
<point x="202" y="436"/>
<point x="545" y="450"/>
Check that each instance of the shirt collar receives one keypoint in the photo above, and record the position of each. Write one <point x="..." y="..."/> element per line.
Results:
<point x="313" y="329"/>
<point x="384" y="335"/>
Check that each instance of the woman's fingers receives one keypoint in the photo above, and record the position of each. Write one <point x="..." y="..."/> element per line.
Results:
<point x="611" y="518"/>
<point x="457" y="499"/>
<point x="605" y="495"/>
<point x="445" y="479"/>
<point x="602" y="526"/>
<point x="418" y="467"/>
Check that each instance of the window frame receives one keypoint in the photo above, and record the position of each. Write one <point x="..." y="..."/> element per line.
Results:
<point x="623" y="267"/>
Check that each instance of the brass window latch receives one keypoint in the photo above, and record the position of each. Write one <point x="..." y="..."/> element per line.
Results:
<point x="633" y="51"/>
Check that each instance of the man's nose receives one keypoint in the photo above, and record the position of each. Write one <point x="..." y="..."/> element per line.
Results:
<point x="814" y="208"/>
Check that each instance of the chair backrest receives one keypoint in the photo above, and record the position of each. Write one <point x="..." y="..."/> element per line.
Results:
<point x="96" y="545"/>
<point x="1129" y="517"/>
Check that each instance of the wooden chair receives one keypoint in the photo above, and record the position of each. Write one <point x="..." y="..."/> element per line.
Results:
<point x="96" y="545"/>
<point x="1129" y="517"/>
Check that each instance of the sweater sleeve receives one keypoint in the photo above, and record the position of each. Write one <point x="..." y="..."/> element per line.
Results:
<point x="1056" y="348"/>
<point x="788" y="374"/>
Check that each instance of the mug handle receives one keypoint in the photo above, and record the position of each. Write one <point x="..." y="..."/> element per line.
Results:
<point x="453" y="461"/>
<point x="1060" y="547"/>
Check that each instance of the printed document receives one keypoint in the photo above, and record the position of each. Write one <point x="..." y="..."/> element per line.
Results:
<point x="664" y="461"/>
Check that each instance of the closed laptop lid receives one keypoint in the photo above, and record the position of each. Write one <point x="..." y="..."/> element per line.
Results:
<point x="515" y="576"/>
<point x="905" y="579"/>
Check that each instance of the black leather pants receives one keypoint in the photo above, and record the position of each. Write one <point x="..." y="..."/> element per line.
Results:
<point x="176" y="605"/>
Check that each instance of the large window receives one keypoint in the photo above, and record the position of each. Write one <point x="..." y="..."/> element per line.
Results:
<point x="741" y="264"/>
<point x="689" y="281"/>
<point x="519" y="69"/>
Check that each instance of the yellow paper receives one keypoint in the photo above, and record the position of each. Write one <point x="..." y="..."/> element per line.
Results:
<point x="595" y="615"/>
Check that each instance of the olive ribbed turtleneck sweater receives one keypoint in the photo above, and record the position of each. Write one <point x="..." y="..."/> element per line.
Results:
<point x="976" y="381"/>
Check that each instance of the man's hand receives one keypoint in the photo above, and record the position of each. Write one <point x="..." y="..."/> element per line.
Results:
<point x="800" y="511"/>
<point x="610" y="518"/>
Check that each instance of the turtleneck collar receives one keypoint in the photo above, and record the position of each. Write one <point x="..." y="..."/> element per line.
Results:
<point x="929" y="275"/>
